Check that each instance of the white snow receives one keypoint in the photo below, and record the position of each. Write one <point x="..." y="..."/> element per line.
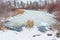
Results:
<point x="26" y="34"/>
<point x="39" y="17"/>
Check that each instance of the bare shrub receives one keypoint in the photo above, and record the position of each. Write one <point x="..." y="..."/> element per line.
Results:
<point x="56" y="26"/>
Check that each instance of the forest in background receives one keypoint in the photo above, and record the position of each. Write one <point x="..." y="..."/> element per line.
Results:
<point x="52" y="6"/>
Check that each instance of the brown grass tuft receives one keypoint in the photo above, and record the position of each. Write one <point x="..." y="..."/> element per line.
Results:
<point x="3" y="28"/>
<point x="29" y="24"/>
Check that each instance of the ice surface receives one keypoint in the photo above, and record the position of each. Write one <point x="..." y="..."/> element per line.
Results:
<point x="37" y="16"/>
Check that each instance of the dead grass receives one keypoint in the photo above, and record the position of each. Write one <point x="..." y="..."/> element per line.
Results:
<point x="19" y="11"/>
<point x="29" y="24"/>
<point x="56" y="27"/>
<point x="3" y="28"/>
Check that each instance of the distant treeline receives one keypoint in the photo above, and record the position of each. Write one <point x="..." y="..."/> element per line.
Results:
<point x="53" y="5"/>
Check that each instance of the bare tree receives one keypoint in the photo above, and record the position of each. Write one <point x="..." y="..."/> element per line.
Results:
<point x="18" y="4"/>
<point x="15" y="3"/>
<point x="22" y="4"/>
<point x="35" y="5"/>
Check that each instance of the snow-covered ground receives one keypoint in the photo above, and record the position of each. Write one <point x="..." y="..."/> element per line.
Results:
<point x="40" y="18"/>
<point x="27" y="34"/>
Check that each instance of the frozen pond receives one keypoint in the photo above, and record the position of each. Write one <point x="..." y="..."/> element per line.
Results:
<point x="17" y="31"/>
<point x="40" y="18"/>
